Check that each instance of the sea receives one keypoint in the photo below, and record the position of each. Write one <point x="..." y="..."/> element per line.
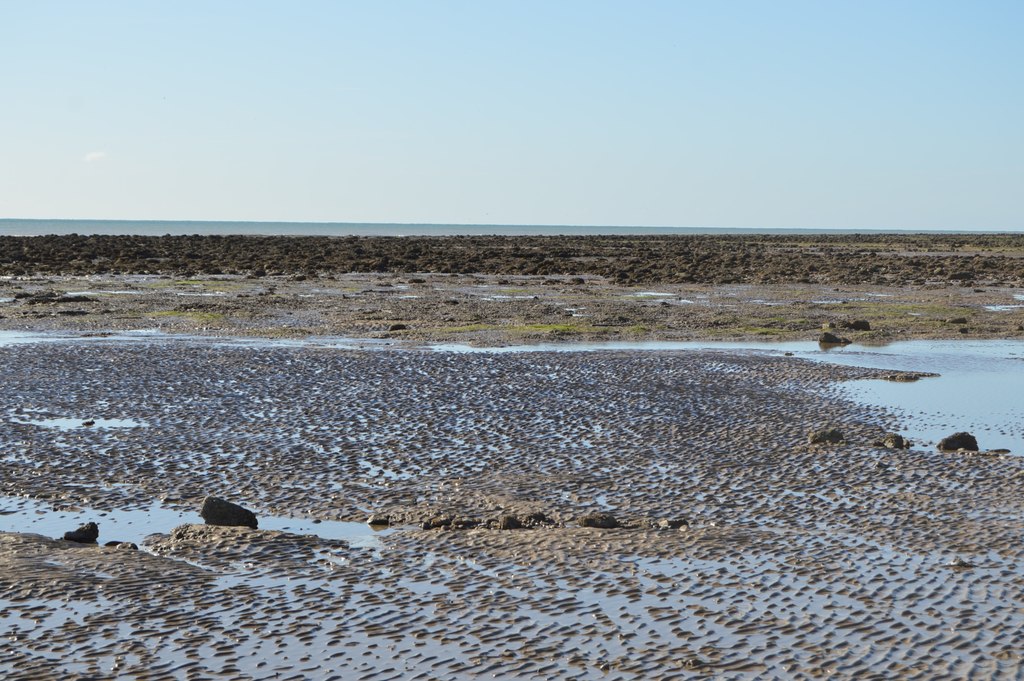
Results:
<point x="25" y="227"/>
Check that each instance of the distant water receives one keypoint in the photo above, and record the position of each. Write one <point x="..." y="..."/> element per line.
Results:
<point x="16" y="227"/>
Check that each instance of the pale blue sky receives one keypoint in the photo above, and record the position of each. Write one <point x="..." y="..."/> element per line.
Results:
<point x="894" y="114"/>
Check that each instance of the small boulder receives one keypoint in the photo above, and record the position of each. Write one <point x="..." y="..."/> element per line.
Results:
<point x="217" y="511"/>
<point x="858" y="325"/>
<point x="825" y="436"/>
<point x="893" y="441"/>
<point x="378" y="520"/>
<point x="437" y="522"/>
<point x="85" y="534"/>
<point x="509" y="522"/>
<point x="604" y="521"/>
<point x="672" y="524"/>
<point x="832" y="339"/>
<point x="398" y="327"/>
<point x="959" y="441"/>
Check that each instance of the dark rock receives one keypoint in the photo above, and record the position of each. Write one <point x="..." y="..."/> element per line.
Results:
<point x="378" y="520"/>
<point x="86" y="534"/>
<point x="959" y="441"/>
<point x="831" y="339"/>
<point x="825" y="436"/>
<point x="894" y="441"/>
<point x="536" y="519"/>
<point x="437" y="522"/>
<point x="509" y="522"/>
<point x="605" y="521"/>
<point x="957" y="320"/>
<point x="907" y="376"/>
<point x="217" y="511"/>
<point x="464" y="523"/>
<point x="398" y="327"/>
<point x="858" y="325"/>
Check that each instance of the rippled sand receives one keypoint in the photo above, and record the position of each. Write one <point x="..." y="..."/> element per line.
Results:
<point x="797" y="561"/>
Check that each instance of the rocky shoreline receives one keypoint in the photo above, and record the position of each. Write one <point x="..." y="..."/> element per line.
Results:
<point x="502" y="290"/>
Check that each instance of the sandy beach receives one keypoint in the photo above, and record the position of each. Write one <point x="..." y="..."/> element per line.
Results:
<point x="610" y="514"/>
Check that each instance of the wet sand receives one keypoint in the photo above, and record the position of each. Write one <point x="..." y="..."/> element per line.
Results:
<point x="795" y="561"/>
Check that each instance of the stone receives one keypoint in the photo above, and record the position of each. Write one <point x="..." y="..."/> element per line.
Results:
<point x="858" y="325"/>
<point x="957" y="320"/>
<point x="831" y="339"/>
<point x="509" y="522"/>
<point x="672" y="524"/>
<point x="893" y="441"/>
<point x="825" y="436"/>
<point x="957" y="441"/>
<point x="397" y="327"/>
<point x="437" y="522"/>
<point x="217" y="511"/>
<point x="85" y="534"/>
<point x="605" y="521"/>
<point x="378" y="520"/>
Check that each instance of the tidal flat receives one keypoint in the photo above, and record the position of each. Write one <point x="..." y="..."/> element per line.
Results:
<point x="648" y="508"/>
<point x="740" y="550"/>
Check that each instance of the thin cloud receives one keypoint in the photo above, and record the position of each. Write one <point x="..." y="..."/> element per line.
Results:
<point x="94" y="156"/>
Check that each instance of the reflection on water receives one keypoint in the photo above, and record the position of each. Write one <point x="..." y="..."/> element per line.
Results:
<point x="53" y="519"/>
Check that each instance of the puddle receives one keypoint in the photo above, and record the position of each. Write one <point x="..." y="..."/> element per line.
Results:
<point x="54" y="518"/>
<point x="80" y="423"/>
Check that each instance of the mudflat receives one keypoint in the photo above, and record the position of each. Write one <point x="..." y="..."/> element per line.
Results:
<point x="609" y="514"/>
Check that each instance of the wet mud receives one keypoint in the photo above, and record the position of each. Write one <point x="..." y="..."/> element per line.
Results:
<point x="741" y="551"/>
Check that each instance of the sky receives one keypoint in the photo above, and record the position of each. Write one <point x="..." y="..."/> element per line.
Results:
<point x="899" y="114"/>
